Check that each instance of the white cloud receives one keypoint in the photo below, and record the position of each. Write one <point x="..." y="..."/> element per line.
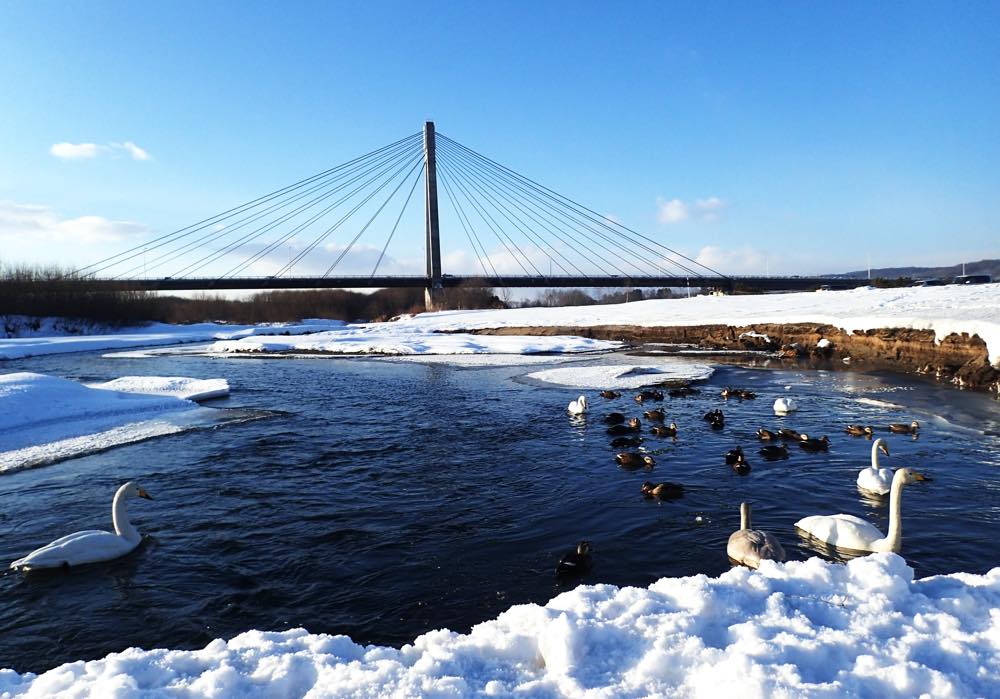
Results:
<point x="677" y="210"/>
<point x="672" y="211"/>
<point x="75" y="151"/>
<point x="82" y="151"/>
<point x="135" y="151"/>
<point x="32" y="223"/>
<point x="745" y="260"/>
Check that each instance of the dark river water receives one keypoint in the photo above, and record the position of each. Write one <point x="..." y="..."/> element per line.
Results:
<point x="383" y="499"/>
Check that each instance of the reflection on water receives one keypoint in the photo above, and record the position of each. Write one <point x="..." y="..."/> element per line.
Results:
<point x="386" y="498"/>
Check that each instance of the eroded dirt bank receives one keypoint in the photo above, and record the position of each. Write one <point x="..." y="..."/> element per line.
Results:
<point x="959" y="359"/>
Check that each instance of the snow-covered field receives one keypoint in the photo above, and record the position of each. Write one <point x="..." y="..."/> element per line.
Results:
<point x="810" y="628"/>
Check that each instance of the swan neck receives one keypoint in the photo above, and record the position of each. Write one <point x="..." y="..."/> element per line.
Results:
<point x="745" y="516"/>
<point x="894" y="539"/>
<point x="875" y="454"/>
<point x="119" y="515"/>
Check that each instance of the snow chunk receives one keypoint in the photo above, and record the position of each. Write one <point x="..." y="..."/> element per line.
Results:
<point x="823" y="343"/>
<point x="176" y="386"/>
<point x="622" y="376"/>
<point x="809" y="628"/>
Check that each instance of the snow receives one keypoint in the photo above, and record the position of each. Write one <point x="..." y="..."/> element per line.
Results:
<point x="396" y="339"/>
<point x="943" y="309"/>
<point x="47" y="418"/>
<point x="623" y="376"/>
<point x="176" y="386"/>
<point x="150" y="335"/>
<point x="809" y="628"/>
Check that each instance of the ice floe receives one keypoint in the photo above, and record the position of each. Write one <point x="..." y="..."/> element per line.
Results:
<point x="623" y="376"/>
<point x="47" y="418"/>
<point x="176" y="386"/>
<point x="809" y="628"/>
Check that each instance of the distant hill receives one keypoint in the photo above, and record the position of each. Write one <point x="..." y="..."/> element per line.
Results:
<point x="990" y="267"/>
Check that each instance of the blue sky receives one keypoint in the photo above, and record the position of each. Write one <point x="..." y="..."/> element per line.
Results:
<point x="791" y="138"/>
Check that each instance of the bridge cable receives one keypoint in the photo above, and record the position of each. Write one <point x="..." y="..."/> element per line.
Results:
<point x="506" y="197"/>
<point x="379" y="167"/>
<point x="589" y="213"/>
<point x="281" y="240"/>
<point x="187" y="230"/>
<point x="546" y="210"/>
<point x="350" y="245"/>
<point x="312" y="246"/>
<point x="218" y="235"/>
<point x="398" y="219"/>
<point x="462" y="218"/>
<point x="576" y="224"/>
<point x="506" y="213"/>
<point x="497" y="230"/>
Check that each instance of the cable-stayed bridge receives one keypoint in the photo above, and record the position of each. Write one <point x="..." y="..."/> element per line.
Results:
<point x="308" y="234"/>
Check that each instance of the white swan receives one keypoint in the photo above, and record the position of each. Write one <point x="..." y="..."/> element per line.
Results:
<point x="578" y="406"/>
<point x="875" y="480"/>
<point x="783" y="406"/>
<point x="854" y="533"/>
<point x="750" y="546"/>
<point x="94" y="545"/>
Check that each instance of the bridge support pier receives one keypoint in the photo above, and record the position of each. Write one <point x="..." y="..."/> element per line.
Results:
<point x="433" y="295"/>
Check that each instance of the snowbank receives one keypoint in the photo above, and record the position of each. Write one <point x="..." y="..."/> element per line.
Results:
<point x="943" y="309"/>
<point x="46" y="418"/>
<point x="802" y="628"/>
<point x="396" y="339"/>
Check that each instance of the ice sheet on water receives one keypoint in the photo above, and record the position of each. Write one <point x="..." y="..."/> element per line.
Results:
<point x="623" y="376"/>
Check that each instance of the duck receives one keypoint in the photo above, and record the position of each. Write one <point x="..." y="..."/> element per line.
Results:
<point x="576" y="562"/>
<point x="750" y="546"/>
<point x="614" y="418"/>
<point x="649" y="394"/>
<point x="747" y="395"/>
<point x="875" y="480"/>
<point x="859" y="430"/>
<point x="93" y="545"/>
<point x="812" y="444"/>
<point x="656" y="415"/>
<point x="718" y="421"/>
<point x="903" y="428"/>
<point x="766" y="435"/>
<point x="619" y="442"/>
<point x="736" y="459"/>
<point x="632" y="425"/>
<point x="633" y="460"/>
<point x="682" y="392"/>
<point x="610" y="395"/>
<point x="855" y="534"/>
<point x="663" y="491"/>
<point x="578" y="406"/>
<point x="729" y="391"/>
<point x="789" y="433"/>
<point x="665" y="430"/>
<point x="772" y="452"/>
<point x="783" y="406"/>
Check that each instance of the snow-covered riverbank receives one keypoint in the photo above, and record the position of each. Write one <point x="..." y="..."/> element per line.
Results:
<point x="807" y="628"/>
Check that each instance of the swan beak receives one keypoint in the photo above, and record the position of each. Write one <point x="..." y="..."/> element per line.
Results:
<point x="884" y="449"/>
<point x="144" y="494"/>
<point x="920" y="477"/>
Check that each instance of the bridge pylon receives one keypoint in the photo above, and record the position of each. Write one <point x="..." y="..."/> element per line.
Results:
<point x="434" y="291"/>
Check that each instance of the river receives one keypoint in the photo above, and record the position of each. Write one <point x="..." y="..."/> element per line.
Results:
<point x="381" y="498"/>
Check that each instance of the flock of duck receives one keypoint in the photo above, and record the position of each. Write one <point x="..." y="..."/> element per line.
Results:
<point x="748" y="546"/>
